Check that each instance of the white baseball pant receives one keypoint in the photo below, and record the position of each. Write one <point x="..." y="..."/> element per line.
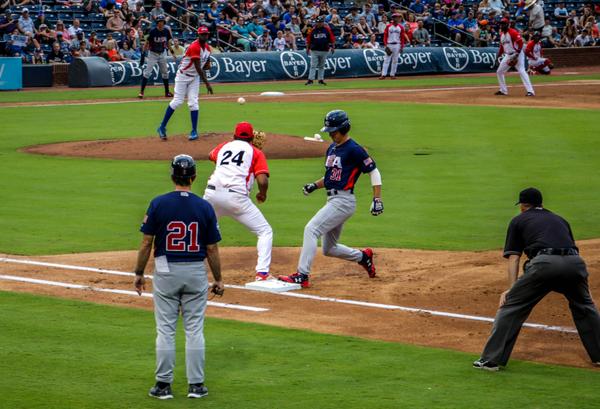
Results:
<point x="520" y="66"/>
<point x="240" y="208"/>
<point x="538" y="63"/>
<point x="186" y="87"/>
<point x="391" y="58"/>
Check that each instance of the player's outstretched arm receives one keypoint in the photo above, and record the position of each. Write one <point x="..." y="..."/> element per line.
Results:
<point x="202" y="76"/>
<point x="311" y="187"/>
<point x="377" y="204"/>
<point x="214" y="261"/>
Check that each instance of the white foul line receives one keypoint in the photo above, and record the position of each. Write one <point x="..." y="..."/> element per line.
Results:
<point x="301" y="295"/>
<point x="123" y="292"/>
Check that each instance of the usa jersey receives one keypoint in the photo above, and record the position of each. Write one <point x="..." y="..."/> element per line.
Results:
<point x="237" y="164"/>
<point x="194" y="52"/>
<point x="345" y="163"/>
<point x="182" y="224"/>
<point x="158" y="40"/>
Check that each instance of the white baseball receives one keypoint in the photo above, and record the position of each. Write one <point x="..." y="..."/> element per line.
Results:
<point x="241" y="100"/>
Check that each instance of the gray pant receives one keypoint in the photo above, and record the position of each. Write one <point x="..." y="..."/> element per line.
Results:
<point x="157" y="58"/>
<point x="328" y="223"/>
<point x="564" y="274"/>
<point x="317" y="61"/>
<point x="184" y="287"/>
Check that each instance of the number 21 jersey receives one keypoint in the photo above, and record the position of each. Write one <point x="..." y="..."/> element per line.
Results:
<point x="345" y="163"/>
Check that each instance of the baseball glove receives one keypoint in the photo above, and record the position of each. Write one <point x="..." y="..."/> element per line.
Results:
<point x="260" y="138"/>
<point x="388" y="51"/>
<point x="513" y="61"/>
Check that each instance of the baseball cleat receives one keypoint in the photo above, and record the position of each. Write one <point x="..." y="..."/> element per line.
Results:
<point x="161" y="393"/>
<point x="197" y="390"/>
<point x="262" y="276"/>
<point x="309" y="82"/>
<point x="296" y="278"/>
<point x="367" y="262"/>
<point x="193" y="136"/>
<point x="162" y="133"/>
<point x="382" y="77"/>
<point x="322" y="82"/>
<point x="500" y="93"/>
<point x="393" y="77"/>
<point x="168" y="95"/>
<point x="530" y="94"/>
<point x="486" y="365"/>
<point x="141" y="95"/>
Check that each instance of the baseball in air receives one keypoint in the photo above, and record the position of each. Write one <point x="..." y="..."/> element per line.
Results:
<point x="241" y="100"/>
<point x="317" y="137"/>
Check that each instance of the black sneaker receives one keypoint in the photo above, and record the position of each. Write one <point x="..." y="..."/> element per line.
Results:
<point x="322" y="82"/>
<point x="197" y="390"/>
<point x="530" y="94"/>
<point x="309" y="82"/>
<point x="161" y="393"/>
<point x="500" y="93"/>
<point x="486" y="365"/>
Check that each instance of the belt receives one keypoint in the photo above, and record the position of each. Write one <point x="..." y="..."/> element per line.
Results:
<point x="556" y="252"/>
<point x="211" y="187"/>
<point x="334" y="192"/>
<point x="186" y="74"/>
<point x="392" y="43"/>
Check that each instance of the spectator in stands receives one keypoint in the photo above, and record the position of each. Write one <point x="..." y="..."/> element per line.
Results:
<point x="23" y="3"/>
<point x="94" y="43"/>
<point x="92" y="6"/>
<point x="497" y="5"/>
<point x="113" y="53"/>
<point x="224" y="28"/>
<point x="287" y="16"/>
<point x="109" y="41"/>
<point x="417" y="7"/>
<point x="241" y="34"/>
<point x="568" y="34"/>
<point x="279" y="42"/>
<point x="363" y="27"/>
<point x="372" y="43"/>
<point x="573" y="16"/>
<point x="178" y="49"/>
<point x="132" y="39"/>
<point x="536" y="15"/>
<point x="157" y="11"/>
<point x="370" y="16"/>
<point x="334" y="19"/>
<point x="83" y="51"/>
<point x="140" y="13"/>
<point x="255" y="28"/>
<point x="455" y="24"/>
<point x="421" y="36"/>
<point x="65" y="46"/>
<point x="584" y="39"/>
<point x="79" y="38"/>
<point x="290" y="40"/>
<point x="26" y="23"/>
<point x="56" y="56"/>
<point x="471" y="27"/>
<point x="39" y="20"/>
<point x="244" y="12"/>
<point x="347" y="27"/>
<point x="311" y="11"/>
<point x="126" y="53"/>
<point x="592" y="26"/>
<point x="546" y="34"/>
<point x="560" y="12"/>
<point x="45" y="35"/>
<point x="107" y="6"/>
<point x="273" y="9"/>
<point x="323" y="9"/>
<point x="294" y="27"/>
<point x="230" y="10"/>
<point x="75" y="28"/>
<point x="264" y="42"/>
<point x="354" y="16"/>
<point x="212" y="15"/>
<point x="60" y="28"/>
<point x="347" y="45"/>
<point x="8" y="24"/>
<point x="482" y="35"/>
<point x="274" y="26"/>
<point x="115" y="23"/>
<point x="383" y="23"/>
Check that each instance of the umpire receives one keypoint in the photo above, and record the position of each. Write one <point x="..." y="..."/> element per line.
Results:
<point x="184" y="230"/>
<point x="320" y="41"/>
<point x="158" y="41"/>
<point x="554" y="264"/>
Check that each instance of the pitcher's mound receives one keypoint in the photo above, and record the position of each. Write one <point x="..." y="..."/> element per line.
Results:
<point x="152" y="148"/>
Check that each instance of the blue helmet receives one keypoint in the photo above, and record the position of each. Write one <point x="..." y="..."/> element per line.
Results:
<point x="183" y="166"/>
<point x="336" y="121"/>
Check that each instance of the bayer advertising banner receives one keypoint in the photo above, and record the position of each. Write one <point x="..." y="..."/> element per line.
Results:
<point x="265" y="66"/>
<point x="11" y="73"/>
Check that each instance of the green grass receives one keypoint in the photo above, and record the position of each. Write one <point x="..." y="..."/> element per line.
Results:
<point x="67" y="354"/>
<point x="458" y="197"/>
<point x="32" y="95"/>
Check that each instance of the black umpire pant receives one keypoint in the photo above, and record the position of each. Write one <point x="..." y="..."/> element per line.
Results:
<point x="564" y="274"/>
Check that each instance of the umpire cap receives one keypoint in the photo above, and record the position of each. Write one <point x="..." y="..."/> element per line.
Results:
<point x="336" y="121"/>
<point x="183" y="166"/>
<point x="530" y="196"/>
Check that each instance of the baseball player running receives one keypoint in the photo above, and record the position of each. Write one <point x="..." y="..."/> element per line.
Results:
<point x="159" y="39"/>
<point x="511" y="52"/>
<point x="345" y="161"/>
<point x="183" y="228"/>
<point x="537" y="63"/>
<point x="187" y="82"/>
<point x="238" y="165"/>
<point x="394" y="38"/>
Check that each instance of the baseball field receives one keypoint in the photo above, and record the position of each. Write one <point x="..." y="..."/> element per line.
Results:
<point x="453" y="158"/>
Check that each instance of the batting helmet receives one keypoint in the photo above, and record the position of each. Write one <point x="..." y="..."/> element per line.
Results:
<point x="161" y="18"/>
<point x="183" y="166"/>
<point x="336" y="121"/>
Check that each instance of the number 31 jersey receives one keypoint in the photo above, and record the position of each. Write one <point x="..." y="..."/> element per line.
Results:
<point x="344" y="164"/>
<point x="237" y="165"/>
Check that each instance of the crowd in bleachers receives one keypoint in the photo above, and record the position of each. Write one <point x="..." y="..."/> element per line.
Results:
<point x="55" y="31"/>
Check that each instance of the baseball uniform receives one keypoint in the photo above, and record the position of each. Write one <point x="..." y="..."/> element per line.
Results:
<point x="157" y="43"/>
<point x="535" y="60"/>
<point x="511" y="51"/>
<point x="394" y="39"/>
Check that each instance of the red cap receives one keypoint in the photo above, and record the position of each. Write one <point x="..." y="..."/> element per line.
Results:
<point x="203" y="30"/>
<point x="244" y="130"/>
<point x="505" y="20"/>
<point x="396" y="15"/>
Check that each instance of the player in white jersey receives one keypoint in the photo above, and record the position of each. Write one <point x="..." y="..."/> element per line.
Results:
<point x="238" y="165"/>
<point x="536" y="61"/>
<point x="187" y="82"/>
<point x="394" y="38"/>
<point x="511" y="52"/>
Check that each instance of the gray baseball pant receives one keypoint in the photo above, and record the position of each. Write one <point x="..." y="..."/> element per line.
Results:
<point x="317" y="61"/>
<point x="184" y="287"/>
<point x="157" y="58"/>
<point x="328" y="224"/>
<point x="564" y="274"/>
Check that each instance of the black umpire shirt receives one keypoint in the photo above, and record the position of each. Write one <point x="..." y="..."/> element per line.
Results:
<point x="536" y="229"/>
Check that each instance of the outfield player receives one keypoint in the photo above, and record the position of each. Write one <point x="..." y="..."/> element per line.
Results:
<point x="183" y="229"/>
<point x="345" y="161"/>
<point x="156" y="45"/>
<point x="394" y="38"/>
<point x="537" y="63"/>
<point x="238" y="165"/>
<point x="511" y="52"/>
<point x="187" y="82"/>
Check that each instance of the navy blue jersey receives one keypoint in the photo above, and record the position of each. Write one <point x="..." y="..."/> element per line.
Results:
<point x="158" y="39"/>
<point x="182" y="224"/>
<point x="345" y="163"/>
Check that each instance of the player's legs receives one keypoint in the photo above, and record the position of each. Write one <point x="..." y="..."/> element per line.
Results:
<point x="220" y="203"/>
<point x="251" y="217"/>
<point x="332" y="248"/>
<point x="314" y="61"/>
<point x="395" y="52"/>
<point x="386" y="65"/>
<point x="192" y="100"/>
<point x="180" y="90"/>
<point x="166" y="310"/>
<point x="193" y="307"/>
<point x="523" y="73"/>
<point x="321" y="60"/>
<point x="151" y="61"/>
<point x="330" y="216"/>
<point x="164" y="72"/>
<point x="503" y="69"/>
